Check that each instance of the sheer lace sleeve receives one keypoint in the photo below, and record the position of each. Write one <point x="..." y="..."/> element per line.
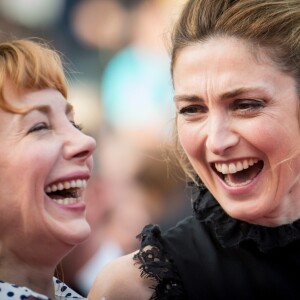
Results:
<point x="155" y="264"/>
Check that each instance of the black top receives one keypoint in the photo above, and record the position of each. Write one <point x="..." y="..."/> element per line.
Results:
<point x="213" y="256"/>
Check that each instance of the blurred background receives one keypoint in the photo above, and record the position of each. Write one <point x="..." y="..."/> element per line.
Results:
<point x="117" y="61"/>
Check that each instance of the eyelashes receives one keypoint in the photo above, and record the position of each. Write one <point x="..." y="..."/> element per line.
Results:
<point x="77" y="126"/>
<point x="239" y="106"/>
<point x="39" y="127"/>
<point x="44" y="126"/>
<point x="248" y="105"/>
<point x="192" y="109"/>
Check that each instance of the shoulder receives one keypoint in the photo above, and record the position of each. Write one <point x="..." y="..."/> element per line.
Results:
<point x="149" y="271"/>
<point x="121" y="279"/>
<point x="185" y="231"/>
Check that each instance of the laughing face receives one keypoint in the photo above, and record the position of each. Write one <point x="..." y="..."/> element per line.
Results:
<point x="238" y="125"/>
<point x="45" y="162"/>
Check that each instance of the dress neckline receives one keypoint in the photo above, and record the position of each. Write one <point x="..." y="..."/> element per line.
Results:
<point x="232" y="232"/>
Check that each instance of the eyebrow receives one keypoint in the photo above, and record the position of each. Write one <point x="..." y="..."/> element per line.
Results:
<point x="45" y="109"/>
<point x="230" y="94"/>
<point x="235" y="93"/>
<point x="189" y="98"/>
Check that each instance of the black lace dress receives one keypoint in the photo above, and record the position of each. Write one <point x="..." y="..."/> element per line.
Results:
<point x="213" y="256"/>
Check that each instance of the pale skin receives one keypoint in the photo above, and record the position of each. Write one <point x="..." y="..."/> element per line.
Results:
<point x="39" y="148"/>
<point x="121" y="279"/>
<point x="232" y="107"/>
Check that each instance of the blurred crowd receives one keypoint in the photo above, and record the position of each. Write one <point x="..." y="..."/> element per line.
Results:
<point x="116" y="54"/>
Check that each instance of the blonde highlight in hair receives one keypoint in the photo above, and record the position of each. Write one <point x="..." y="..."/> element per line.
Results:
<point x="31" y="65"/>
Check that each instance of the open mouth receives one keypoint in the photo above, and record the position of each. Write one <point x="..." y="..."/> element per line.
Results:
<point x="238" y="173"/>
<point x="66" y="193"/>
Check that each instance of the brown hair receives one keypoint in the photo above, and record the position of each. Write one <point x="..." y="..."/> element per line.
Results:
<point x="30" y="65"/>
<point x="269" y="25"/>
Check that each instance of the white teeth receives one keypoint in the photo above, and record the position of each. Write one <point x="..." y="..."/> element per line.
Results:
<point x="232" y="168"/>
<point x="239" y="166"/>
<point x="67" y="201"/>
<point x="67" y="185"/>
<point x="236" y="184"/>
<point x="224" y="169"/>
<point x="79" y="183"/>
<point x="245" y="164"/>
<point x="60" y="186"/>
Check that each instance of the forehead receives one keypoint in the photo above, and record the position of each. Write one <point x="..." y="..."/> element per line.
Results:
<point x="220" y="63"/>
<point x="218" y="50"/>
<point x="29" y="99"/>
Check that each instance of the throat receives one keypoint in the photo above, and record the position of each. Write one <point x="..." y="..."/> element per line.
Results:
<point x="38" y="281"/>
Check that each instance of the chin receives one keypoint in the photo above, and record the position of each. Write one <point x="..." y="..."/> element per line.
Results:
<point x="73" y="233"/>
<point x="248" y="212"/>
<point x="78" y="233"/>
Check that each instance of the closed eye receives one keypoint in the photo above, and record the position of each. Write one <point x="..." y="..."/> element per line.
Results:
<point x="77" y="126"/>
<point x="39" y="127"/>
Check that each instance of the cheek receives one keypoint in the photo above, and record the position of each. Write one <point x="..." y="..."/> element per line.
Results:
<point x="191" y="140"/>
<point x="276" y="142"/>
<point x="33" y="165"/>
<point x="263" y="139"/>
<point x="90" y="162"/>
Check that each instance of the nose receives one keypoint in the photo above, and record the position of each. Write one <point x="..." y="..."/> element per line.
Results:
<point x="78" y="145"/>
<point x="220" y="136"/>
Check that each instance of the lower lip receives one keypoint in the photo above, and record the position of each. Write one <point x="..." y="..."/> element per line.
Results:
<point x="79" y="206"/>
<point x="240" y="190"/>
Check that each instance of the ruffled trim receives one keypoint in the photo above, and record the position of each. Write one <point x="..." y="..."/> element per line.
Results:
<point x="155" y="264"/>
<point x="231" y="232"/>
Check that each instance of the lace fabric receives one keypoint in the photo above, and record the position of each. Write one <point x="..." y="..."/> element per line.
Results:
<point x="155" y="264"/>
<point x="231" y="232"/>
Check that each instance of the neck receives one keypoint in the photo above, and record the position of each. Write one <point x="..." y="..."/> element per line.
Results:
<point x="28" y="271"/>
<point x="38" y="280"/>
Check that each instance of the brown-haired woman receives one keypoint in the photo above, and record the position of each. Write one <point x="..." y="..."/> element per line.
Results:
<point x="45" y="162"/>
<point x="236" y="76"/>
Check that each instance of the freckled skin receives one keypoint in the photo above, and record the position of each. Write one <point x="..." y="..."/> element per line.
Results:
<point x="36" y="149"/>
